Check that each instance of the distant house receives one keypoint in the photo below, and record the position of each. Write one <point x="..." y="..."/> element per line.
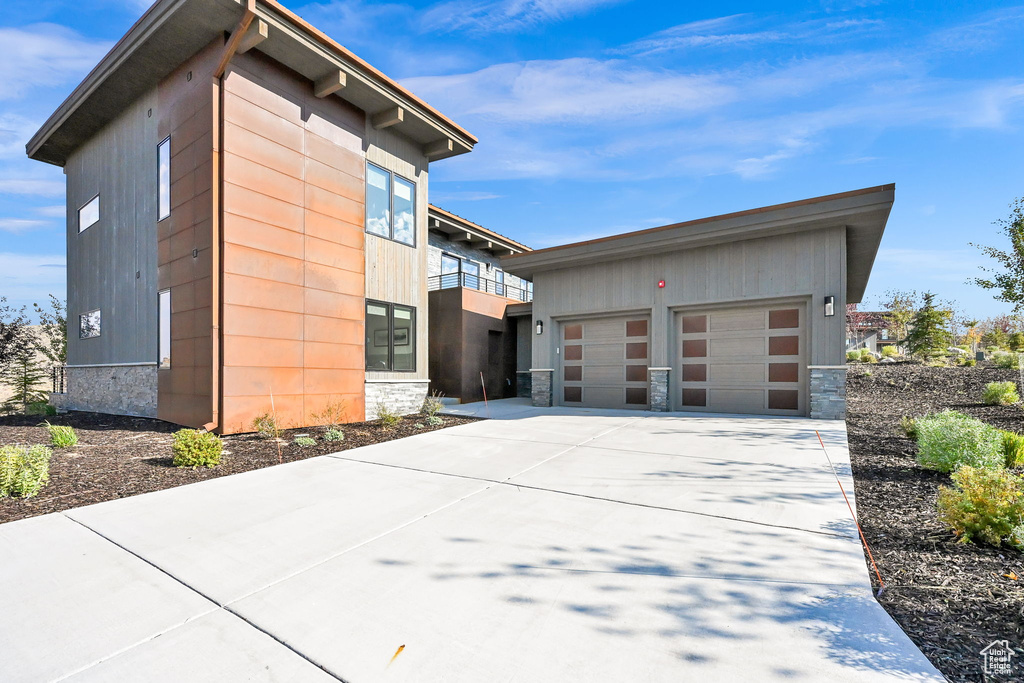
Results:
<point x="868" y="330"/>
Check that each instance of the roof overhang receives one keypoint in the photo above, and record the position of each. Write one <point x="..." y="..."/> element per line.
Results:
<point x="459" y="229"/>
<point x="171" y="31"/>
<point x="862" y="212"/>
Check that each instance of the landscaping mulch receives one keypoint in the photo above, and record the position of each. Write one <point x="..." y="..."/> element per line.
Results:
<point x="117" y="457"/>
<point x="951" y="598"/>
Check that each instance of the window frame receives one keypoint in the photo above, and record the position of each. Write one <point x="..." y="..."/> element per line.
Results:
<point x="392" y="177"/>
<point x="414" y="343"/>
<point x="99" y="208"/>
<point x="160" y="215"/>
<point x="99" y="327"/>
<point x="160" y="330"/>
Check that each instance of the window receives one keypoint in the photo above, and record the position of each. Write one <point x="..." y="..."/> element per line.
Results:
<point x="89" y="325"/>
<point x="390" y="337"/>
<point x="472" y="278"/>
<point x="89" y="214"/>
<point x="165" y="329"/>
<point x="390" y="205"/>
<point x="499" y="282"/>
<point x="163" y="160"/>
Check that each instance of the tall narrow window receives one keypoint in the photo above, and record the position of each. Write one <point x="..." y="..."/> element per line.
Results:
<point x="390" y="337"/>
<point x="378" y="201"/>
<point x="405" y="213"/>
<point x="165" y="329"/>
<point x="163" y="160"/>
<point x="499" y="282"/>
<point x="89" y="214"/>
<point x="89" y="325"/>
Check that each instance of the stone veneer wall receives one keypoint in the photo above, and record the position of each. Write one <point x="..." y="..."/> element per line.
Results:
<point x="828" y="393"/>
<point x="659" y="390"/>
<point x="438" y="244"/>
<point x="524" y="383"/>
<point x="114" y="389"/>
<point x="540" y="387"/>
<point x="402" y="397"/>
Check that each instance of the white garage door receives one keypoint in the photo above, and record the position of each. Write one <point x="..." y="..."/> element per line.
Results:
<point x="604" y="363"/>
<point x="742" y="360"/>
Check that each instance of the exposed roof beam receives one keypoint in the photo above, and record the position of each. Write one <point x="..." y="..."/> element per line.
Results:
<point x="462" y="237"/>
<point x="236" y="37"/>
<point x="330" y="83"/>
<point x="387" y="118"/>
<point x="438" y="148"/>
<point x="257" y="33"/>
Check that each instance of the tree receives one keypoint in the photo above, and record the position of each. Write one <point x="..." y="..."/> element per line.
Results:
<point x="929" y="330"/>
<point x="855" y="320"/>
<point x="973" y="336"/>
<point x="1008" y="278"/>
<point x="13" y="327"/>
<point x="23" y="375"/>
<point x="54" y="327"/>
<point x="900" y="306"/>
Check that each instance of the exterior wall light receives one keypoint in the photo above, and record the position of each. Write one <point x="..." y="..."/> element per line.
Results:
<point x="540" y="327"/>
<point x="830" y="306"/>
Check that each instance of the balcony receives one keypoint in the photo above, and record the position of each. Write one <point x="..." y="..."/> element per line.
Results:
<point x="481" y="284"/>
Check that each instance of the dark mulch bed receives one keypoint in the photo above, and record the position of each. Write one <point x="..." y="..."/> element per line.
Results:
<point x="953" y="599"/>
<point x="118" y="457"/>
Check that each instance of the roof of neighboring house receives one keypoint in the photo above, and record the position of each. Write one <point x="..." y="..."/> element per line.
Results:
<point x="451" y="223"/>
<point x="173" y="30"/>
<point x="864" y="212"/>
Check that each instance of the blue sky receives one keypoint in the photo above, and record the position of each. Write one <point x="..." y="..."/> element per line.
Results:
<point x="601" y="116"/>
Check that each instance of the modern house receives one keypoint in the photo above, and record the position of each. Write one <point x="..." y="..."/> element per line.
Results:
<point x="868" y="330"/>
<point x="247" y="222"/>
<point x="473" y="340"/>
<point x="740" y="313"/>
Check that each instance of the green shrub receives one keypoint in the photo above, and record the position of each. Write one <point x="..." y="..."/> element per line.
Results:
<point x="1016" y="341"/>
<point x="950" y="439"/>
<point x="970" y="362"/>
<point x="24" y="470"/>
<point x="1013" y="449"/>
<point x="334" y="435"/>
<point x="909" y="427"/>
<point x="987" y="505"/>
<point x="1000" y="394"/>
<point x="434" y="420"/>
<point x="266" y="427"/>
<point x="386" y="417"/>
<point x="61" y="436"/>
<point x="853" y="356"/>
<point x="195" y="448"/>
<point x="432" y="405"/>
<point x="889" y="351"/>
<point x="332" y="415"/>
<point x="40" y="408"/>
<point x="305" y="441"/>
<point x="1005" y="359"/>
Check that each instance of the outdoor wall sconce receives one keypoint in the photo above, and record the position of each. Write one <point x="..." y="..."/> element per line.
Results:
<point x="540" y="327"/>
<point x="830" y="306"/>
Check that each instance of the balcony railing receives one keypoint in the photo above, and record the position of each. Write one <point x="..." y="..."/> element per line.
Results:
<point x="482" y="284"/>
<point x="58" y="377"/>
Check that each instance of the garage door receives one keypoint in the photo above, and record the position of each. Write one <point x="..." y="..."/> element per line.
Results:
<point x="742" y="360"/>
<point x="604" y="362"/>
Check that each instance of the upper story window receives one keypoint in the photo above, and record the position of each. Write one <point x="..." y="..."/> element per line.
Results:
<point x="390" y="337"/>
<point x="89" y="214"/>
<point x="163" y="160"/>
<point x="89" y="325"/>
<point x="390" y="205"/>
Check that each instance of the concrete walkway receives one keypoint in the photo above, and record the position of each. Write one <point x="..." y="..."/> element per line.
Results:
<point x="541" y="545"/>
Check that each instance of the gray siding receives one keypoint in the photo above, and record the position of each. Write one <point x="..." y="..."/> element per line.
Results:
<point x="120" y="165"/>
<point x="803" y="265"/>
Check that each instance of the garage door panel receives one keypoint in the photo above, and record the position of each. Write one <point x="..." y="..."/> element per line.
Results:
<point x="739" y="346"/>
<point x="604" y="374"/>
<point x="604" y="353"/>
<point x="604" y="362"/>
<point x="728" y="321"/>
<point x="737" y="372"/>
<point x="604" y="397"/>
<point x="738" y="400"/>
<point x="601" y="330"/>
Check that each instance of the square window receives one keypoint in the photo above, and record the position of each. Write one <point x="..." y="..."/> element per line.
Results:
<point x="390" y="205"/>
<point x="89" y="214"/>
<point x="89" y="325"/>
<point x="390" y="337"/>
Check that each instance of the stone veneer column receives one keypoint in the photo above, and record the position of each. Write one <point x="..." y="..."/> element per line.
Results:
<point x="129" y="389"/>
<point x="405" y="398"/>
<point x="659" y="389"/>
<point x="540" y="388"/>
<point x="828" y="392"/>
<point x="524" y="382"/>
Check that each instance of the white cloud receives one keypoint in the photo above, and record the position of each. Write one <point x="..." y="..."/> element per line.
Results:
<point x="32" y="186"/>
<point x="19" y="225"/>
<point x="504" y="16"/>
<point x="25" y="278"/>
<point x="940" y="265"/>
<point x="15" y="131"/>
<point x="45" y="55"/>
<point x="443" y="196"/>
<point x="55" y="211"/>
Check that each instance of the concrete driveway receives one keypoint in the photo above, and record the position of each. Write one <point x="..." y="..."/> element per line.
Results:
<point x="543" y="545"/>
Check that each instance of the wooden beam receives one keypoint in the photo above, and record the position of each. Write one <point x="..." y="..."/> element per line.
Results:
<point x="331" y="83"/>
<point x="463" y="237"/>
<point x="236" y="37"/>
<point x="438" y="148"/>
<point x="388" y="117"/>
<point x="257" y="33"/>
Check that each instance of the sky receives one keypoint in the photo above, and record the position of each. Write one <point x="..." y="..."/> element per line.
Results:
<point x="597" y="117"/>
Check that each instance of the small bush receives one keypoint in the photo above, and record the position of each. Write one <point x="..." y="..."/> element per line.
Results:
<point x="332" y="415"/>
<point x="950" y="439"/>
<point x="334" y="435"/>
<point x="24" y="470"/>
<point x="987" y="505"/>
<point x="970" y="362"/>
<point x="853" y="356"/>
<point x="305" y="441"/>
<point x="1000" y="394"/>
<point x="432" y="405"/>
<point x="266" y="426"/>
<point x="40" y="408"/>
<point x="388" y="418"/>
<point x="1013" y="449"/>
<point x="889" y="351"/>
<point x="909" y="427"/>
<point x="434" y="420"/>
<point x="1005" y="359"/>
<point x="195" y="448"/>
<point x="61" y="436"/>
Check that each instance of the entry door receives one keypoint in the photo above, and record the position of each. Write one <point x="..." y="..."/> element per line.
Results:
<point x="603" y="363"/>
<point x="742" y="360"/>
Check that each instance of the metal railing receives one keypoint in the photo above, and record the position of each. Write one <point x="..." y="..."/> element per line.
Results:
<point x="58" y="376"/>
<point x="482" y="284"/>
